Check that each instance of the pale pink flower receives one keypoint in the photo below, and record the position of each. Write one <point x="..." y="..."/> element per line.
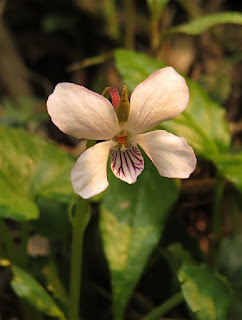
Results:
<point x="85" y="114"/>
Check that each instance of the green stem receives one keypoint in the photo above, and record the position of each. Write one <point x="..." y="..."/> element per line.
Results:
<point x="79" y="223"/>
<point x="217" y="203"/>
<point x="217" y="218"/>
<point x="7" y="241"/>
<point x="165" y="307"/>
<point x="129" y="6"/>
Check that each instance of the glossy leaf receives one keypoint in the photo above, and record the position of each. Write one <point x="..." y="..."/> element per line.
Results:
<point x="27" y="288"/>
<point x="207" y="294"/>
<point x="203" y="23"/>
<point x="132" y="221"/>
<point x="30" y="167"/>
<point x="230" y="166"/>
<point x="202" y="123"/>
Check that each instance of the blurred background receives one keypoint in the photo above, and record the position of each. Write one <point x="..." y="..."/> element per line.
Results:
<point x="45" y="42"/>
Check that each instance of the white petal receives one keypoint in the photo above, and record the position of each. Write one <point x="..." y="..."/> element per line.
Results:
<point x="127" y="165"/>
<point x="82" y="113"/>
<point x="89" y="175"/>
<point x="162" y="96"/>
<point x="171" y="155"/>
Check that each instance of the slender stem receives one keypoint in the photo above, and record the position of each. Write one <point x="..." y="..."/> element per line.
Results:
<point x="155" y="35"/>
<point x="165" y="307"/>
<point x="7" y="241"/>
<point x="217" y="218"/>
<point x="79" y="223"/>
<point x="129" y="6"/>
<point x="217" y="204"/>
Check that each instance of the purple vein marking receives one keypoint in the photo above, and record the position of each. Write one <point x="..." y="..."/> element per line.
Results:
<point x="127" y="164"/>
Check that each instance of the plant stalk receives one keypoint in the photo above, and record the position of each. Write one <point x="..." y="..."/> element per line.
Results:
<point x="165" y="307"/>
<point x="79" y="223"/>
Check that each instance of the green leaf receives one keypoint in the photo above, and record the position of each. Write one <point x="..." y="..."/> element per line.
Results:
<point x="54" y="283"/>
<point x="131" y="223"/>
<point x="230" y="166"/>
<point x="30" y="167"/>
<point x="231" y="259"/>
<point x="53" y="220"/>
<point x="203" y="23"/>
<point x="206" y="294"/>
<point x="202" y="123"/>
<point x="135" y="67"/>
<point x="26" y="287"/>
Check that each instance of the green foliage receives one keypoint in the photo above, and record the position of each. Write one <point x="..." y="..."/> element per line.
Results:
<point x="132" y="221"/>
<point x="54" y="284"/>
<point x="206" y="294"/>
<point x="203" y="23"/>
<point x="53" y="221"/>
<point x="231" y="266"/>
<point x="30" y="167"/>
<point x="27" y="288"/>
<point x="203" y="124"/>
<point x="230" y="165"/>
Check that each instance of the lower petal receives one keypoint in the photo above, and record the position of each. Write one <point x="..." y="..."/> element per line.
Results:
<point x="89" y="175"/>
<point x="127" y="165"/>
<point x="171" y="155"/>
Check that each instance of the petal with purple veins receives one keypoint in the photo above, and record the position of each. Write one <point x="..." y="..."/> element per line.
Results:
<point x="127" y="165"/>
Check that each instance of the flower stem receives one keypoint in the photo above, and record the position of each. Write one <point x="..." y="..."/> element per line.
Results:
<point x="165" y="307"/>
<point x="79" y="222"/>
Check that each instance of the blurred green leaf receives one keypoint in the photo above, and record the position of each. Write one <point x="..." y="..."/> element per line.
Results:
<point x="231" y="259"/>
<point x="202" y="123"/>
<point x="203" y="23"/>
<point x="230" y="264"/>
<point x="53" y="221"/>
<point x="206" y="294"/>
<point x="231" y="167"/>
<point x="26" y="287"/>
<point x="132" y="221"/>
<point x="54" y="283"/>
<point x="30" y="167"/>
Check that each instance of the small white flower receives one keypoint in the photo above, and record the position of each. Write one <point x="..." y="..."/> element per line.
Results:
<point x="84" y="114"/>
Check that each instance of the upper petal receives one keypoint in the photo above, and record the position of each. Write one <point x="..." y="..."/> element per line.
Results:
<point x="162" y="96"/>
<point x="89" y="175"/>
<point x="82" y="113"/>
<point x="171" y="155"/>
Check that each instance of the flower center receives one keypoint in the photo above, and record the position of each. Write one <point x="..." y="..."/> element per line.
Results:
<point x="122" y="139"/>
